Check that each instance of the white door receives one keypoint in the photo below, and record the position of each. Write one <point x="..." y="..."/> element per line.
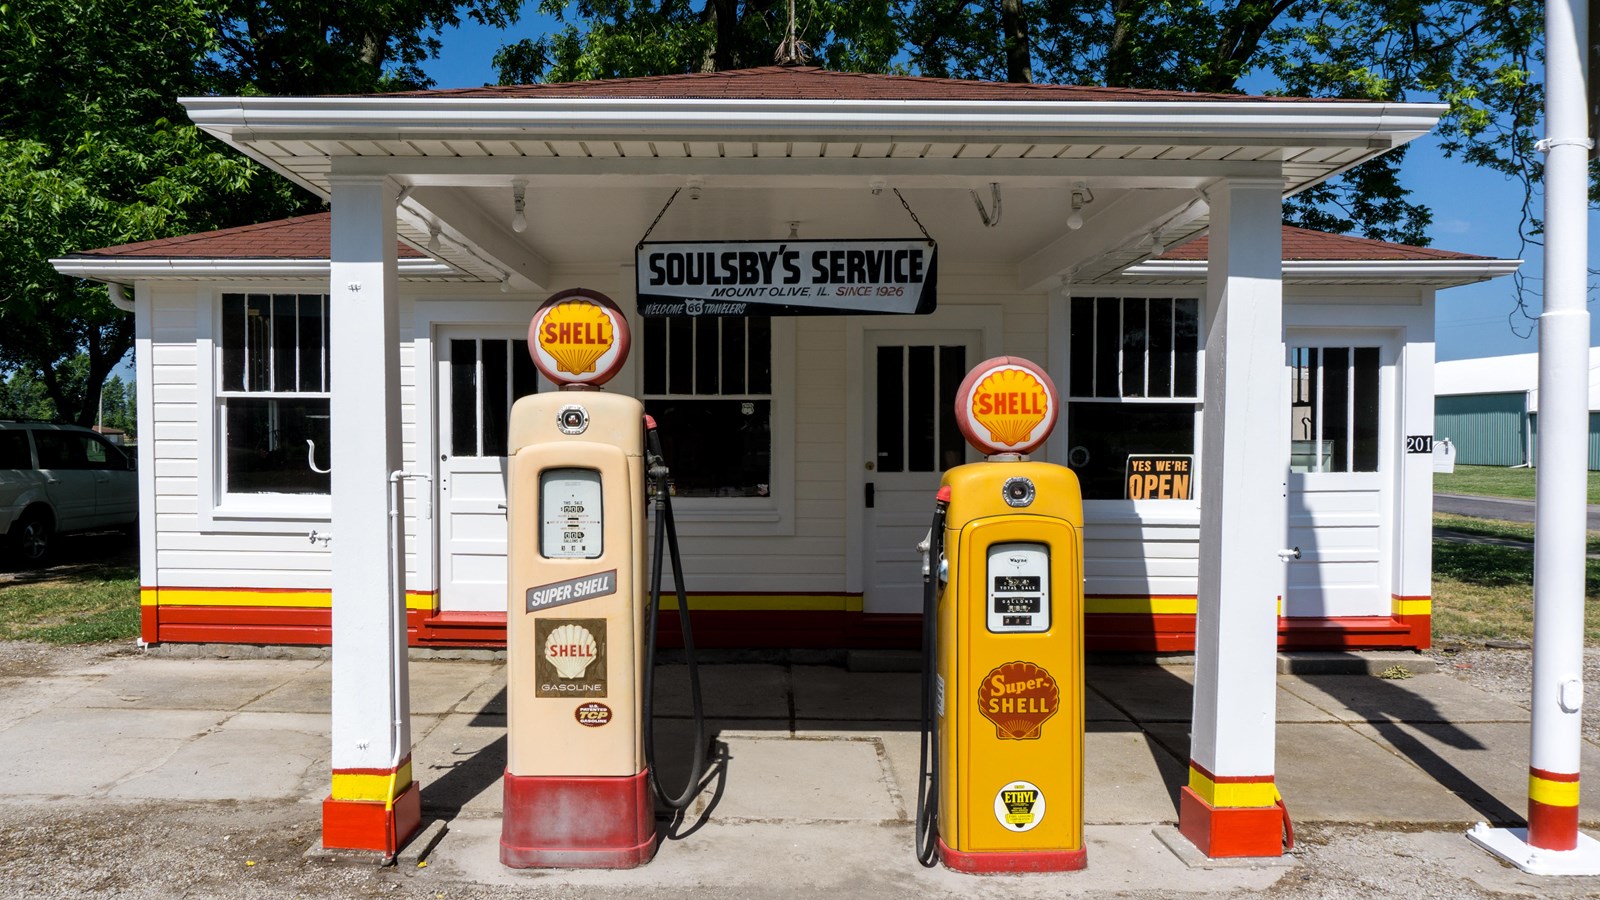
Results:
<point x="482" y="370"/>
<point x="1341" y="473"/>
<point x="910" y="437"/>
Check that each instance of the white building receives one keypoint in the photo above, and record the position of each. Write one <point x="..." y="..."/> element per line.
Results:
<point x="1293" y="372"/>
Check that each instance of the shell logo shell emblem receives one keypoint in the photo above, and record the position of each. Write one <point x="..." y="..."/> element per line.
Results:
<point x="1006" y="405"/>
<point x="578" y="336"/>
<point x="1018" y="697"/>
<point x="570" y="649"/>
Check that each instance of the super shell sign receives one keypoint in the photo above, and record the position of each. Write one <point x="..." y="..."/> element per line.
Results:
<point x="1006" y="405"/>
<point x="578" y="337"/>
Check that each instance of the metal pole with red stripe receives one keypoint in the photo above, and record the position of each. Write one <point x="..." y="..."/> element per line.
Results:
<point x="1551" y="844"/>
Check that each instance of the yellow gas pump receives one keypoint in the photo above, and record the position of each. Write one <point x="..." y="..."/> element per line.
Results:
<point x="579" y="628"/>
<point x="1002" y="782"/>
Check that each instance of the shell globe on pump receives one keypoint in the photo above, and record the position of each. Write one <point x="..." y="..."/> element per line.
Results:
<point x="1003" y="723"/>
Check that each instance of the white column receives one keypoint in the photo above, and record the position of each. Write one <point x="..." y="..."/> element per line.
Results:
<point x="1243" y="469"/>
<point x="371" y="705"/>
<point x="1560" y="516"/>
<point x="1413" y="572"/>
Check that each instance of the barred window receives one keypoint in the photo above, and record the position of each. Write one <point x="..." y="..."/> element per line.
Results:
<point x="274" y="394"/>
<point x="708" y="381"/>
<point x="1133" y="381"/>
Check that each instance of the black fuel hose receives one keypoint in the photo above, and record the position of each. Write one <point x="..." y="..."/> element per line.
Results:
<point x="667" y="529"/>
<point x="927" y="827"/>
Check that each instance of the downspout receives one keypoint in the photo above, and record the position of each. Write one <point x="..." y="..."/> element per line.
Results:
<point x="119" y="296"/>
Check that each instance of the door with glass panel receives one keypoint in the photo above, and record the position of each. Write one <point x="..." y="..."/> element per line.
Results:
<point x="911" y="437"/>
<point x="1341" y="471"/>
<point x="481" y="372"/>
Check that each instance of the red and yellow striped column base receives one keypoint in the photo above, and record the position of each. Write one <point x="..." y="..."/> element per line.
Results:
<point x="372" y="809"/>
<point x="1552" y="810"/>
<point x="1227" y="816"/>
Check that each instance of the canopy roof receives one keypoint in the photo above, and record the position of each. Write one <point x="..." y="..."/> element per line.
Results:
<point x="777" y="145"/>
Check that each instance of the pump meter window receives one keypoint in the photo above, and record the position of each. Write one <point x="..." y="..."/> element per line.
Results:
<point x="1019" y="588"/>
<point x="571" y="521"/>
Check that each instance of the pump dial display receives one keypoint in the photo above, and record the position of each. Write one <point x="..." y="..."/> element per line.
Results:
<point x="571" y="520"/>
<point x="1019" y="588"/>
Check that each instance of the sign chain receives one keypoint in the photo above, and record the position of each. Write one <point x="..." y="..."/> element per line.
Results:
<point x="640" y="245"/>
<point x="913" y="216"/>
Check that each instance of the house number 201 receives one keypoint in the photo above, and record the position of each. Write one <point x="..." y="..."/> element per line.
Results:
<point x="1419" y="443"/>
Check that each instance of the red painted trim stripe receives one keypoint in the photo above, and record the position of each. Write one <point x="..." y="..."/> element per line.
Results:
<point x="1552" y="827"/>
<point x="1232" y="779"/>
<point x="388" y="771"/>
<point x="1553" y="776"/>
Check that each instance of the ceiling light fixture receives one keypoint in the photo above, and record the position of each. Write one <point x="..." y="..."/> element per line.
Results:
<point x="519" y="202"/>
<point x="433" y="238"/>
<point x="794" y="231"/>
<point x="695" y="183"/>
<point x="1081" y="196"/>
<point x="877" y="185"/>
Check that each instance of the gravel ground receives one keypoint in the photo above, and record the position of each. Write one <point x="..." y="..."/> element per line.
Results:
<point x="73" y="849"/>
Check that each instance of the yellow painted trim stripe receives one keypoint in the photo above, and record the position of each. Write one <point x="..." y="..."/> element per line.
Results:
<point x="1413" y="607"/>
<point x="248" y="597"/>
<point x="1140" y="605"/>
<point x="768" y="602"/>
<point x="1552" y="793"/>
<point x="1233" y="794"/>
<point x="372" y="787"/>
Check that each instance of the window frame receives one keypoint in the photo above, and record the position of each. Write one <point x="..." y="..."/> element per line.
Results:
<point x="273" y="513"/>
<point x="735" y="516"/>
<point x="1146" y="511"/>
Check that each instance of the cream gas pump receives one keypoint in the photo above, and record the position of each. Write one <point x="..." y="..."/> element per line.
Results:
<point x="579" y="784"/>
<point x="1001" y="787"/>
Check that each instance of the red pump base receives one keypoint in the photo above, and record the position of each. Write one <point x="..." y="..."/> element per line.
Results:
<point x="994" y="862"/>
<point x="577" y="822"/>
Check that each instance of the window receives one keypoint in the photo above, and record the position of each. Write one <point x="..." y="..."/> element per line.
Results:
<point x="72" y="450"/>
<point x="708" y="381"/>
<point x="1333" y="409"/>
<point x="14" y="452"/>
<point x="1132" y="385"/>
<point x="274" y="394"/>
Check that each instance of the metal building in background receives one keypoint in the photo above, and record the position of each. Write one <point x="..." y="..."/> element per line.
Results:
<point x="1489" y="409"/>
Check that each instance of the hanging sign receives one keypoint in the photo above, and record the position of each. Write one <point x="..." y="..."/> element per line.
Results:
<point x="1153" y="476"/>
<point x="787" y="278"/>
<point x="1006" y="405"/>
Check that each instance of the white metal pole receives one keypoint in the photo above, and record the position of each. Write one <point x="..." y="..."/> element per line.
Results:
<point x="1552" y="844"/>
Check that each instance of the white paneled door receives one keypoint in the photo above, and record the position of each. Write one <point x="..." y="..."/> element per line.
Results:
<point x="1341" y="473"/>
<point x="481" y="371"/>
<point x="910" y="438"/>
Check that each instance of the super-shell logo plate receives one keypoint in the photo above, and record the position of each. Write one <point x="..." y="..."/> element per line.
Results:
<point x="1018" y="697"/>
<point x="1006" y="405"/>
<point x="578" y="337"/>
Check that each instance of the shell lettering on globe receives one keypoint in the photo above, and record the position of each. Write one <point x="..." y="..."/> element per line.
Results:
<point x="570" y="649"/>
<point x="1018" y="698"/>
<point x="576" y="334"/>
<point x="1010" y="403"/>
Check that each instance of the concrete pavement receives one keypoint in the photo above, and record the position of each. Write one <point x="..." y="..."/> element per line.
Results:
<point x="815" y="782"/>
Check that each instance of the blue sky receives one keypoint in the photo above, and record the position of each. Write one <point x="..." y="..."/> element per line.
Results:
<point x="1474" y="210"/>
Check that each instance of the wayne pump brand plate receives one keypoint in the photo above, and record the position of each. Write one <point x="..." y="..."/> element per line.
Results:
<point x="787" y="278"/>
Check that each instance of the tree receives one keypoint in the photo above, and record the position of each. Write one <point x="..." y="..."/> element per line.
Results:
<point x="303" y="47"/>
<point x="1477" y="55"/>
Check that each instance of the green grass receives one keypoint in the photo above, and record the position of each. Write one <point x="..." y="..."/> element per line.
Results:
<point x="1485" y="592"/>
<point x="1495" y="481"/>
<point x="96" y="603"/>
<point x="1499" y="528"/>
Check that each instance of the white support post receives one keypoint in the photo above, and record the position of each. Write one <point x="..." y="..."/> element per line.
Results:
<point x="374" y="803"/>
<point x="1230" y="805"/>
<point x="1551" y="844"/>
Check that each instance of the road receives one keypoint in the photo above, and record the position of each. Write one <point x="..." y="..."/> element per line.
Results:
<point x="1497" y="508"/>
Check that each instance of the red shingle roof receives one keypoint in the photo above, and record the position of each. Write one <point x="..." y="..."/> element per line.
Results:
<point x="810" y="83"/>
<point x="306" y="237"/>
<point x="301" y="237"/>
<point x="1318" y="246"/>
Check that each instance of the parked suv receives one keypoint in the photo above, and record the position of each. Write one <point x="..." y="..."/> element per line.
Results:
<point x="60" y="478"/>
